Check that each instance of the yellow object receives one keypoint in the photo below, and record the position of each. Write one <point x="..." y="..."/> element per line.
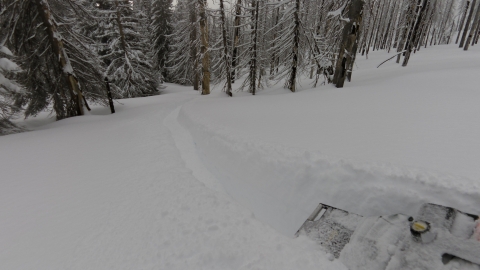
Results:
<point x="419" y="226"/>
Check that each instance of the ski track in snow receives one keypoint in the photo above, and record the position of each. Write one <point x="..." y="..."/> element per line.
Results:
<point x="388" y="142"/>
<point x="188" y="151"/>
<point x="145" y="188"/>
<point x="113" y="192"/>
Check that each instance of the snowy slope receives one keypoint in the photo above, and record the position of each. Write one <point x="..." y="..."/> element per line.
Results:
<point x="392" y="139"/>
<point x="183" y="181"/>
<point x="113" y="192"/>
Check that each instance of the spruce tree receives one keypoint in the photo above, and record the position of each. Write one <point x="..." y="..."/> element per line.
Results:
<point x="161" y="28"/>
<point x="125" y="49"/>
<point x="61" y="72"/>
<point x="9" y="88"/>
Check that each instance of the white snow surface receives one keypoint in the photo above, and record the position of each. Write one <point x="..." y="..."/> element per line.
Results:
<point x="183" y="181"/>
<point x="394" y="138"/>
<point x="113" y="192"/>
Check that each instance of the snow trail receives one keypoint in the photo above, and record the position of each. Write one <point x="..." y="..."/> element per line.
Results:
<point x="186" y="145"/>
<point x="123" y="198"/>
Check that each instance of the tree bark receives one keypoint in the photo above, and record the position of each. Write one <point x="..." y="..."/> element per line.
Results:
<point x="473" y="29"/>
<point x="75" y="106"/>
<point x="444" y="24"/>
<point x="204" y="48"/>
<point x="462" y="21"/>
<point x="416" y="9"/>
<point x="253" y="60"/>
<point x="467" y="24"/>
<point x="109" y="96"/>
<point x="193" y="47"/>
<point x="374" y="25"/>
<point x="477" y="34"/>
<point x="349" y="43"/>
<point x="225" y="51"/>
<point x="120" y="29"/>
<point x="405" y="35"/>
<point x="296" y="39"/>
<point x="413" y="36"/>
<point x="274" y="54"/>
<point x="236" y="37"/>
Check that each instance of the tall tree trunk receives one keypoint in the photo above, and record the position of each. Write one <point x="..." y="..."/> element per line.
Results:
<point x="366" y="35"/>
<point x="193" y="47"/>
<point x="425" y="39"/>
<point x="274" y="54"/>
<point x="462" y="21"/>
<point x="75" y="106"/>
<point x="204" y="48"/>
<point x="296" y="39"/>
<point x="477" y="34"/>
<point x="413" y="21"/>
<point x="253" y="60"/>
<point x="349" y="43"/>
<point x="424" y="27"/>
<point x="120" y="29"/>
<point x="225" y="51"/>
<point x="409" y="21"/>
<point x="236" y="37"/>
<point x="414" y="33"/>
<point x="378" y="34"/>
<point x="473" y="29"/>
<point x="444" y="23"/>
<point x="374" y="25"/>
<point x="467" y="24"/>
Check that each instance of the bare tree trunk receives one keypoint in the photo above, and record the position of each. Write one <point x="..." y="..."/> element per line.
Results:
<point x="373" y="31"/>
<point x="204" y="48"/>
<point x="274" y="53"/>
<point x="366" y="35"/>
<point x="413" y="36"/>
<point x="467" y="24"/>
<point x="193" y="47"/>
<point x="398" y="32"/>
<point x="75" y="106"/>
<point x="225" y="51"/>
<point x="462" y="21"/>
<point x="477" y="34"/>
<point x="296" y="39"/>
<point x="120" y="29"/>
<point x="375" y="43"/>
<point x="413" y="21"/>
<point x="349" y="43"/>
<point x="424" y="27"/>
<point x="253" y="60"/>
<point x="408" y="23"/>
<point x="472" y="30"/>
<point x="444" y="24"/>
<point x="451" y="32"/>
<point x="236" y="37"/>
<point x="428" y="32"/>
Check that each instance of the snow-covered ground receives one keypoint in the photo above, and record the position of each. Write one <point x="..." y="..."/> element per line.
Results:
<point x="183" y="181"/>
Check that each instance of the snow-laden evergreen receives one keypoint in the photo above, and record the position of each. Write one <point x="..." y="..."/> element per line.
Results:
<point x="160" y="25"/>
<point x="61" y="71"/>
<point x="183" y="64"/>
<point x="8" y="89"/>
<point x="125" y="48"/>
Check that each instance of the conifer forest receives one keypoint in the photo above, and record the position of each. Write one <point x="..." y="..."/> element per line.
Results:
<point x="56" y="54"/>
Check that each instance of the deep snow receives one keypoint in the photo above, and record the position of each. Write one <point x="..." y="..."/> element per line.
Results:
<point x="394" y="138"/>
<point x="183" y="181"/>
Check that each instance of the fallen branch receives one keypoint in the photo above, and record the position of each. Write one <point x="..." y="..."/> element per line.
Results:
<point x="390" y="58"/>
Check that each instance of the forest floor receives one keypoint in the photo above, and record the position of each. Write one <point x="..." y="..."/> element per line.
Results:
<point x="183" y="181"/>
